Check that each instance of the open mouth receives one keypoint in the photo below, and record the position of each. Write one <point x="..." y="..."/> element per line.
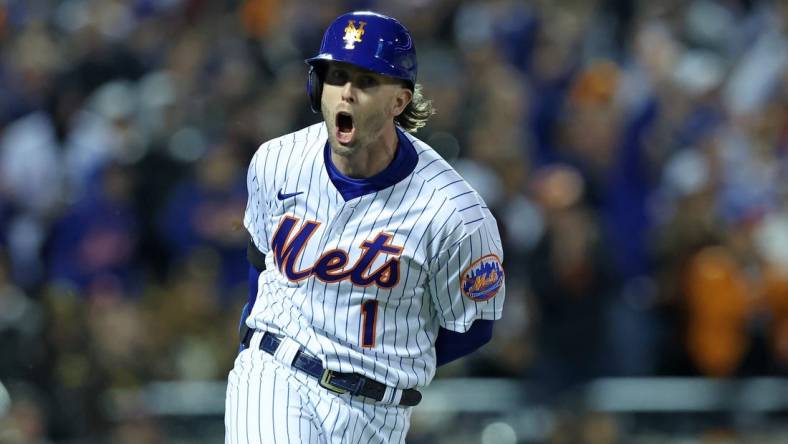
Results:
<point x="345" y="129"/>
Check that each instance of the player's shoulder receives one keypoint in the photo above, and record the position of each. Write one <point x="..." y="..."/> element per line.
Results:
<point x="271" y="154"/>
<point x="270" y="159"/>
<point x="464" y="205"/>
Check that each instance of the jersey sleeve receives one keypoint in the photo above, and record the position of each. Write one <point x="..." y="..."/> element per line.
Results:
<point x="468" y="281"/>
<point x="257" y="203"/>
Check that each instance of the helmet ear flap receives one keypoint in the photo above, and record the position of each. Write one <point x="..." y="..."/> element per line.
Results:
<point x="314" y="89"/>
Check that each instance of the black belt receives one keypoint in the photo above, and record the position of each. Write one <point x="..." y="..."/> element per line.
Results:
<point x="356" y="385"/>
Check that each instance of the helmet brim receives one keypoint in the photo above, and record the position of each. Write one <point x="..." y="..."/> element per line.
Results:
<point x="376" y="66"/>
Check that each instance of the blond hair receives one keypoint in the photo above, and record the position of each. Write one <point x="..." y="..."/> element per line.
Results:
<point x="417" y="112"/>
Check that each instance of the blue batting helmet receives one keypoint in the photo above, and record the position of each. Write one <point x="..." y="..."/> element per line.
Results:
<point x="369" y="40"/>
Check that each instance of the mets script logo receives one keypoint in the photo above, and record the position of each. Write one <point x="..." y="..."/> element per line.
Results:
<point x="331" y="266"/>
<point x="482" y="279"/>
<point x="353" y="34"/>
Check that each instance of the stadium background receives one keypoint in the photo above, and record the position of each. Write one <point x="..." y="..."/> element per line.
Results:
<point x="634" y="153"/>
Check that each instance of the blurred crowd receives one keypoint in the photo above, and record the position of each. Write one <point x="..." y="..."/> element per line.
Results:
<point x="635" y="154"/>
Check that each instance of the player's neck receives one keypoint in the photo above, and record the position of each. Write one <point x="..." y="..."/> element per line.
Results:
<point x="367" y="161"/>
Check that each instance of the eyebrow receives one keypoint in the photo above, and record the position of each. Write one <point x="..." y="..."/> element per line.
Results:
<point x="350" y="68"/>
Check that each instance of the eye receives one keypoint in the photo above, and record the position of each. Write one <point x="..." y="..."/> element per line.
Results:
<point x="367" y="81"/>
<point x="337" y="76"/>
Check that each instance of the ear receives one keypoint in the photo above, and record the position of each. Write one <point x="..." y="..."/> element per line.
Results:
<point x="401" y="100"/>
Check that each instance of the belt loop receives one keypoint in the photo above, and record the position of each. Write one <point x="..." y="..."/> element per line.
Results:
<point x="257" y="337"/>
<point x="287" y="350"/>
<point x="392" y="395"/>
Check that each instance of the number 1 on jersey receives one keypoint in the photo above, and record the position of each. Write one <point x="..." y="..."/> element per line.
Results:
<point x="369" y="317"/>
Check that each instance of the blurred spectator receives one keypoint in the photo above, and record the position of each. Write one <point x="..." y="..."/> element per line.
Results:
<point x="717" y="310"/>
<point x="139" y="430"/>
<point x="21" y="324"/>
<point x="26" y="421"/>
<point x="74" y="379"/>
<point x="96" y="239"/>
<point x="181" y="317"/>
<point x="572" y="284"/>
<point x="205" y="210"/>
<point x="31" y="185"/>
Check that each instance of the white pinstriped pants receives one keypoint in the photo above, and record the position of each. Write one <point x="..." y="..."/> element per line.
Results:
<point x="269" y="402"/>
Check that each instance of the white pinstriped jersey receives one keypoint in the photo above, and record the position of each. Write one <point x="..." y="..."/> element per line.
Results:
<point x="365" y="284"/>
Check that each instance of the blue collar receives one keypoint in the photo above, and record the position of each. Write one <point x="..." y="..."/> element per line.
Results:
<point x="404" y="163"/>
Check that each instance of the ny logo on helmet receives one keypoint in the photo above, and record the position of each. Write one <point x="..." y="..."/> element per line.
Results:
<point x="353" y="34"/>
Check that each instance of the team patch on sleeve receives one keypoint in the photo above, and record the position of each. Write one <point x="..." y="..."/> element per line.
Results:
<point x="482" y="279"/>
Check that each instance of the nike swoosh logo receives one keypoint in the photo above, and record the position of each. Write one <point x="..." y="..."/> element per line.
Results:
<point x="282" y="196"/>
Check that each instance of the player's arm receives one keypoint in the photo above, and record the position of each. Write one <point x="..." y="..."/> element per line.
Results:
<point x="256" y="261"/>
<point x="452" y="345"/>
<point x="255" y="257"/>
<point x="468" y="291"/>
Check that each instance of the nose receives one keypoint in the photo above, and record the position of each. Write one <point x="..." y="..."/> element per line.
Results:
<point x="348" y="93"/>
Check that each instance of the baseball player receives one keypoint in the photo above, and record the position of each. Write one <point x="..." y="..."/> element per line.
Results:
<point x="371" y="260"/>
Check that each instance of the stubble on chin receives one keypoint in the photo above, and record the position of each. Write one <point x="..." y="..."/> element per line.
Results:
<point x="342" y="150"/>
